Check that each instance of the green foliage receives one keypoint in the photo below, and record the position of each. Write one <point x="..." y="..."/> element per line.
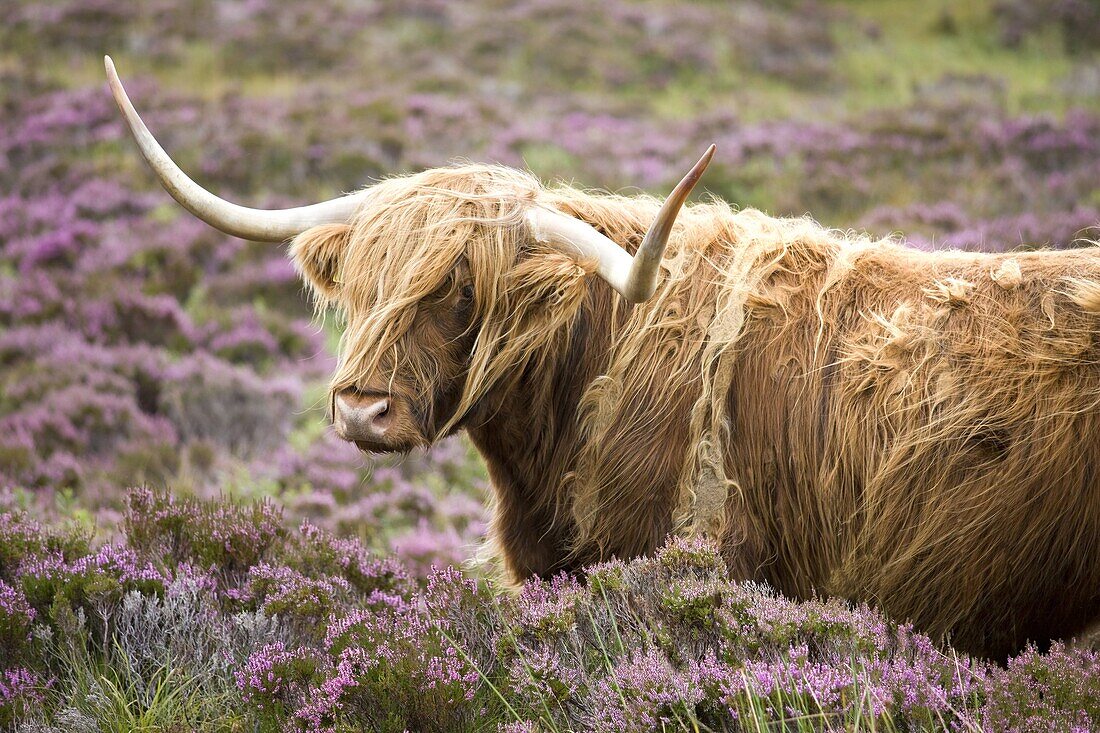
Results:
<point x="693" y="604"/>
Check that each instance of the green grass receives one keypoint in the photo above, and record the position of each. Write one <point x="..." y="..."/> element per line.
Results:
<point x="919" y="43"/>
<point x="120" y="699"/>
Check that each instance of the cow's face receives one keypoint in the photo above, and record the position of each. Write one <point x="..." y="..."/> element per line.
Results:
<point x="406" y="398"/>
<point x="442" y="289"/>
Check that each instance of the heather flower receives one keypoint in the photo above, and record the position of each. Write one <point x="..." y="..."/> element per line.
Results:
<point x="20" y="690"/>
<point x="16" y="617"/>
<point x="1059" y="690"/>
<point x="282" y="591"/>
<point x="643" y="693"/>
<point x="548" y="608"/>
<point x="919" y="678"/>
<point x="318" y="551"/>
<point x="396" y="656"/>
<point x="229" y="536"/>
<point x="46" y="578"/>
<point x="325" y="702"/>
<point x="124" y="564"/>
<point x="50" y="581"/>
<point x="693" y="604"/>
<point x="22" y="539"/>
<point x="791" y="683"/>
<point x="274" y="679"/>
<point x="540" y="679"/>
<point x="690" y="556"/>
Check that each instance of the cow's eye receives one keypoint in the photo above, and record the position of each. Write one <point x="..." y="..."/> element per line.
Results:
<point x="467" y="292"/>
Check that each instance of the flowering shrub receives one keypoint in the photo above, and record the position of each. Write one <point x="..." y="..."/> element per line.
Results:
<point x="137" y="346"/>
<point x="20" y="690"/>
<point x="1059" y="690"/>
<point x="320" y="635"/>
<point x="274" y="680"/>
<point x="223" y="536"/>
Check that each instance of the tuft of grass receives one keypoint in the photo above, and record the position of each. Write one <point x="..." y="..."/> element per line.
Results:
<point x="105" y="694"/>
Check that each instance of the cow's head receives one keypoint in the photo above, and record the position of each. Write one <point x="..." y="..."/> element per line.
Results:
<point x="448" y="281"/>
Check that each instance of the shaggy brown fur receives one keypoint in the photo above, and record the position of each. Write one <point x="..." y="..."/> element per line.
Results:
<point x="845" y="416"/>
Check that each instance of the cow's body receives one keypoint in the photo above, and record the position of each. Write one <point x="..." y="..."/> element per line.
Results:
<point x="916" y="429"/>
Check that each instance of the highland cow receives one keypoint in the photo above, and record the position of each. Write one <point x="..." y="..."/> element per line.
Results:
<point x="843" y="416"/>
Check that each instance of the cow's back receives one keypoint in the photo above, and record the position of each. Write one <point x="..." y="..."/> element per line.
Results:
<point x="923" y="431"/>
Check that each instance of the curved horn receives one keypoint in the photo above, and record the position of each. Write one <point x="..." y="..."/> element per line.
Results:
<point x="635" y="278"/>
<point x="255" y="224"/>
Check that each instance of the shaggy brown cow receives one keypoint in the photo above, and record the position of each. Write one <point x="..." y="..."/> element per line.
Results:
<point x="844" y="416"/>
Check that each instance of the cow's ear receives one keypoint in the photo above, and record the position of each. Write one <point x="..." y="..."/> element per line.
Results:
<point x="318" y="255"/>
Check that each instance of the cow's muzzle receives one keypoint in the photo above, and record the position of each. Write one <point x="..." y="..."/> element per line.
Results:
<point x="359" y="416"/>
<point x="377" y="421"/>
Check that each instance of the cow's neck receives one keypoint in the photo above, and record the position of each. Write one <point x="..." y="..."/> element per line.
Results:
<point x="530" y="442"/>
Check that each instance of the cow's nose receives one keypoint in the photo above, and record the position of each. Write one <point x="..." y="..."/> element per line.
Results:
<point x="360" y="416"/>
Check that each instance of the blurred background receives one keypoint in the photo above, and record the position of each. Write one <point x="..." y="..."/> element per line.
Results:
<point x="140" y="347"/>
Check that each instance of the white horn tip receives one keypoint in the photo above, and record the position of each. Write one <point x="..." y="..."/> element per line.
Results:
<point x="113" y="81"/>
